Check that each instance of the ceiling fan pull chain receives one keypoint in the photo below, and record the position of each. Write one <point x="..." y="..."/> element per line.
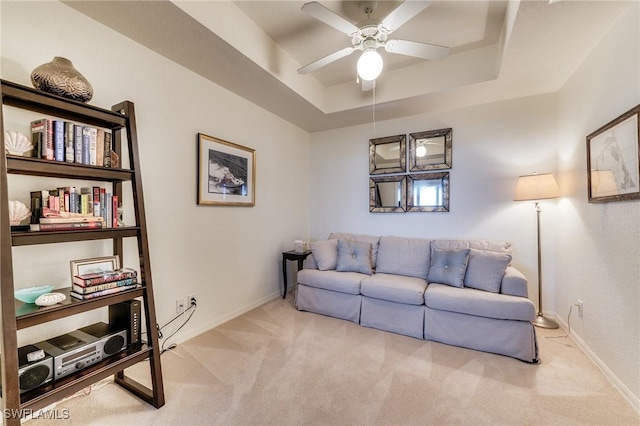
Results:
<point x="374" y="107"/>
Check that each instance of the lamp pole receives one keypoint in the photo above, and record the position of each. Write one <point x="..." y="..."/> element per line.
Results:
<point x="541" y="321"/>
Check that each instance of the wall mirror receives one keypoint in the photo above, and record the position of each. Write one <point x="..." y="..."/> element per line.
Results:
<point x="428" y="192"/>
<point x="387" y="194"/>
<point x="387" y="155"/>
<point x="430" y="150"/>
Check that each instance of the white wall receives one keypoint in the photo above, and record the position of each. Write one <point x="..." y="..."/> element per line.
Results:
<point x="599" y="244"/>
<point x="492" y="145"/>
<point x="228" y="256"/>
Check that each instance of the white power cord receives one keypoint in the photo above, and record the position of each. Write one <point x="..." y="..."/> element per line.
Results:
<point x="568" y="324"/>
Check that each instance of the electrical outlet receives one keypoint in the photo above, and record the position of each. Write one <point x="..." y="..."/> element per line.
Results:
<point x="192" y="300"/>
<point x="580" y="307"/>
<point x="181" y="305"/>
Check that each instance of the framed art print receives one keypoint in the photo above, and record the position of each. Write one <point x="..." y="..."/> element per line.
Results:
<point x="613" y="159"/>
<point x="226" y="173"/>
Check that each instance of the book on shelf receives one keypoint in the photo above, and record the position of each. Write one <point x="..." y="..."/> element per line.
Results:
<point x="127" y="282"/>
<point x="107" y="149"/>
<point x="100" y="147"/>
<point x="116" y="218"/>
<point x="77" y="143"/>
<point x="86" y="145"/>
<point x="71" y="219"/>
<point x="36" y="206"/>
<point x="93" y="146"/>
<point x="68" y="226"/>
<point x="58" y="140"/>
<point x="42" y="132"/>
<point x="102" y="292"/>
<point x="69" y="143"/>
<point x="85" y="280"/>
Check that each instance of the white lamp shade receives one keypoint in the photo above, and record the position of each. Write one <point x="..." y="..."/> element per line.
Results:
<point x="536" y="187"/>
<point x="369" y="65"/>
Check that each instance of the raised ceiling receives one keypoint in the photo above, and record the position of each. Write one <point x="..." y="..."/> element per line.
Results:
<point x="499" y="50"/>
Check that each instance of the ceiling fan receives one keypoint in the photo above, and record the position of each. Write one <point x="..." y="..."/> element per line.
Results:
<point x="371" y="34"/>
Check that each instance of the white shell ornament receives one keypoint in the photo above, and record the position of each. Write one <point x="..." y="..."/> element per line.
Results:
<point x="49" y="299"/>
<point x="18" y="212"/>
<point x="15" y="143"/>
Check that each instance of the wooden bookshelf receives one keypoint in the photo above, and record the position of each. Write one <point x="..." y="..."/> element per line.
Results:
<point x="17" y="315"/>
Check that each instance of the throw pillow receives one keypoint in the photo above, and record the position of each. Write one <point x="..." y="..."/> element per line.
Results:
<point x="448" y="267"/>
<point x="354" y="257"/>
<point x="325" y="253"/>
<point x="486" y="269"/>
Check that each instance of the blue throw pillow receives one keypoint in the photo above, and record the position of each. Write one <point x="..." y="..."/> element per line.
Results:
<point x="448" y="267"/>
<point x="354" y="257"/>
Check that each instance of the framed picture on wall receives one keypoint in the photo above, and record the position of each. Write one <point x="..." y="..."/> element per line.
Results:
<point x="613" y="159"/>
<point x="388" y="155"/>
<point x="430" y="150"/>
<point x="226" y="173"/>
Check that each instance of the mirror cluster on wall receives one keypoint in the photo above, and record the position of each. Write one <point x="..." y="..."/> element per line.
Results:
<point x="421" y="188"/>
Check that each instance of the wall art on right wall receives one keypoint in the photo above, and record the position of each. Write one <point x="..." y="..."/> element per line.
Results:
<point x="430" y="150"/>
<point x="613" y="159"/>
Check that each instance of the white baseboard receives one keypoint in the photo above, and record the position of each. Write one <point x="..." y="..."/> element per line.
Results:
<point x="626" y="393"/>
<point x="190" y="333"/>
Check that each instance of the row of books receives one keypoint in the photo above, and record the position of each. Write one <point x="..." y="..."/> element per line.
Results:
<point x="65" y="141"/>
<point x="90" y="286"/>
<point x="71" y="208"/>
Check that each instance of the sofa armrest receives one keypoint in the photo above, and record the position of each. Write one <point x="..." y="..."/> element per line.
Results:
<point x="514" y="283"/>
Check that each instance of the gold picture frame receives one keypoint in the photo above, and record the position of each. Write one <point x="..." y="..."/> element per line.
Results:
<point x="226" y="173"/>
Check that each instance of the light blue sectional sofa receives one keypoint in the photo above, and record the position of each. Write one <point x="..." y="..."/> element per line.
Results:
<point x="459" y="292"/>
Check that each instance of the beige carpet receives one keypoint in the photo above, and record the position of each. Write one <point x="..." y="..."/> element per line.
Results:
<point x="277" y="366"/>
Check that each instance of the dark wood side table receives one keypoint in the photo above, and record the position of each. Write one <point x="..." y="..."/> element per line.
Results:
<point x="292" y="255"/>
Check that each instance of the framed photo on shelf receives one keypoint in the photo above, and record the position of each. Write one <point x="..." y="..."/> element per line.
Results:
<point x="226" y="173"/>
<point x="613" y="159"/>
<point x="94" y="265"/>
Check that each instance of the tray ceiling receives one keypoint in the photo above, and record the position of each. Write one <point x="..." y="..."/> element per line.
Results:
<point x="499" y="50"/>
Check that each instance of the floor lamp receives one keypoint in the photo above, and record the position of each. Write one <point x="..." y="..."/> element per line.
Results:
<point x="537" y="187"/>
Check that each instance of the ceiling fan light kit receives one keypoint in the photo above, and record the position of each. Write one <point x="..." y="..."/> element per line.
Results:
<point x="370" y="34"/>
<point x="370" y="64"/>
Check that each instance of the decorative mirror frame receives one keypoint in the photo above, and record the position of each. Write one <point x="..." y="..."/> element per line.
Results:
<point x="443" y="176"/>
<point x="414" y="137"/>
<point x="373" y="143"/>
<point x="373" y="186"/>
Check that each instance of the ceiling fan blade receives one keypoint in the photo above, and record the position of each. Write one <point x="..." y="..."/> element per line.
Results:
<point x="401" y="14"/>
<point x="327" y="16"/>
<point x="326" y="60"/>
<point x="414" y="48"/>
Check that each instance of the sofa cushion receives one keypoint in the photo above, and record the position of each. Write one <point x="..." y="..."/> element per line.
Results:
<point x="360" y="238"/>
<point x="480" y="303"/>
<point x="394" y="288"/>
<point x="486" y="269"/>
<point x="404" y="256"/>
<point x="343" y="282"/>
<point x="325" y="253"/>
<point x="448" y="267"/>
<point x="354" y="257"/>
<point x="498" y="246"/>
